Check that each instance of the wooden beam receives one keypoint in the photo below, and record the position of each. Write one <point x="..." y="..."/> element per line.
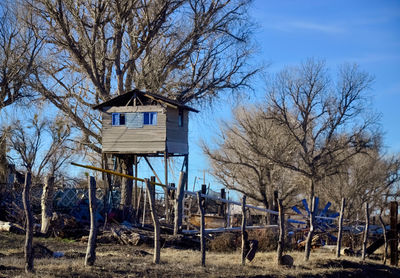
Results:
<point x="152" y="169"/>
<point x="160" y="101"/>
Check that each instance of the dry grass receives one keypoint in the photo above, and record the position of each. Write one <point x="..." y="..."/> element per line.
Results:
<point x="126" y="261"/>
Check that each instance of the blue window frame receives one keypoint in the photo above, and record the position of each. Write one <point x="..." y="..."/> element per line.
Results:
<point x="150" y="118"/>
<point x="118" y="119"/>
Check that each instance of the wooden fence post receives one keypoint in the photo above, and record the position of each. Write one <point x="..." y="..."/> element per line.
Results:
<point x="47" y="204"/>
<point x="144" y="205"/>
<point x="243" y="230"/>
<point x="339" y="237"/>
<point x="364" y="249"/>
<point x="91" y="248"/>
<point x="178" y="207"/>
<point x="393" y="233"/>
<point x="200" y="201"/>
<point x="384" y="239"/>
<point x="281" y="243"/>
<point x="151" y="189"/>
<point x="28" y="248"/>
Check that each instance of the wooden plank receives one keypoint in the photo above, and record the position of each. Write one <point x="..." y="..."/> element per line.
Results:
<point x="281" y="241"/>
<point x="200" y="202"/>
<point x="28" y="247"/>
<point x="365" y="237"/>
<point x="91" y="248"/>
<point x="393" y="234"/>
<point x="127" y="109"/>
<point x="243" y="230"/>
<point x="151" y="189"/>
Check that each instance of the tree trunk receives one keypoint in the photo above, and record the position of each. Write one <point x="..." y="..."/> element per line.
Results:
<point x="151" y="189"/>
<point x="178" y="204"/>
<point x="339" y="238"/>
<point x="200" y="201"/>
<point x="28" y="248"/>
<point x="281" y="221"/>
<point x="47" y="204"/>
<point x="364" y="249"/>
<point x="311" y="232"/>
<point x="384" y="238"/>
<point x="91" y="248"/>
<point x="243" y="230"/>
<point x="126" y="190"/>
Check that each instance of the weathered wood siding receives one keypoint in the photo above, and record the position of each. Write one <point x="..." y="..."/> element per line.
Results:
<point x="177" y="136"/>
<point x="121" y="139"/>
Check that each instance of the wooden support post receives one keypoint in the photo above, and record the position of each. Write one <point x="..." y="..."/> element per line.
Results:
<point x="144" y="205"/>
<point x="47" y="204"/>
<point x="339" y="237"/>
<point x="91" y="248"/>
<point x="166" y="197"/>
<point x="243" y="230"/>
<point x="151" y="188"/>
<point x="178" y="204"/>
<point x="393" y="232"/>
<point x="135" y="193"/>
<point x="138" y="204"/>
<point x="366" y="228"/>
<point x="221" y="207"/>
<point x="384" y="239"/>
<point x="28" y="248"/>
<point x="187" y="172"/>
<point x="281" y="241"/>
<point x="200" y="201"/>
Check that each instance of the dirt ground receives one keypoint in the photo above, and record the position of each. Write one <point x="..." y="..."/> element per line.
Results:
<point x="132" y="261"/>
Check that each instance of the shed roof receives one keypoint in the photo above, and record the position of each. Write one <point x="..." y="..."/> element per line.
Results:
<point x="123" y="99"/>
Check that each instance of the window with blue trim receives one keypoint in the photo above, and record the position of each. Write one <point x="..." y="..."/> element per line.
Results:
<point x="150" y="118"/>
<point x="118" y="119"/>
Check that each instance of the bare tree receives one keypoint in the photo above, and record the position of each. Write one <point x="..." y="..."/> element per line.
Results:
<point x="40" y="145"/>
<point x="188" y="50"/>
<point x="18" y="50"/>
<point x="324" y="118"/>
<point x="366" y="178"/>
<point x="238" y="162"/>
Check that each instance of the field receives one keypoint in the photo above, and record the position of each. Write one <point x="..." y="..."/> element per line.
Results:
<point x="132" y="261"/>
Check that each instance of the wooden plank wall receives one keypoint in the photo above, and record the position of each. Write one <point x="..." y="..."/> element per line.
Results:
<point x="120" y="139"/>
<point x="177" y="136"/>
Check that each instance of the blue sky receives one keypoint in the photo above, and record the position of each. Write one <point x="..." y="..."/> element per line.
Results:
<point x="289" y="32"/>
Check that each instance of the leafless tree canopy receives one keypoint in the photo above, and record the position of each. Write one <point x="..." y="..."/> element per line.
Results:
<point x="189" y="50"/>
<point x="326" y="118"/>
<point x="18" y="50"/>
<point x="40" y="145"/>
<point x="238" y="162"/>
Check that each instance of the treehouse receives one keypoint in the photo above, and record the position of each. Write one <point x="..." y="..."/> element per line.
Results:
<point x="141" y="123"/>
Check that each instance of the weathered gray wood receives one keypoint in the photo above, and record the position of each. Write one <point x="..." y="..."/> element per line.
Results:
<point x="178" y="207"/>
<point x="28" y="248"/>
<point x="385" y="239"/>
<point x="311" y="231"/>
<point x="144" y="206"/>
<point x="243" y="230"/>
<point x="166" y="197"/>
<point x="394" y="238"/>
<point x="47" y="204"/>
<point x="200" y="201"/>
<point x="281" y="241"/>
<point x="366" y="228"/>
<point x="91" y="248"/>
<point x="151" y="189"/>
<point x="339" y="237"/>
